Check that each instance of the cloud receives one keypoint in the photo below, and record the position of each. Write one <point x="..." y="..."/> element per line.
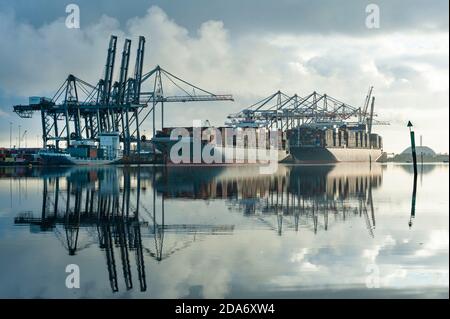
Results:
<point x="282" y="16"/>
<point x="408" y="69"/>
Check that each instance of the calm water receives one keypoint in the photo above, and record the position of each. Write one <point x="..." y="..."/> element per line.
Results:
<point x="152" y="232"/>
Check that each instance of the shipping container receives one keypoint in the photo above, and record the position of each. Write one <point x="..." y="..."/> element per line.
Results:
<point x="352" y="139"/>
<point x="80" y="152"/>
<point x="93" y="152"/>
<point x="329" y="138"/>
<point x="374" y="140"/>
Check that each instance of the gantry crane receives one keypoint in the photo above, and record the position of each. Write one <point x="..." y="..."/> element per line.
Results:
<point x="285" y="111"/>
<point x="82" y="111"/>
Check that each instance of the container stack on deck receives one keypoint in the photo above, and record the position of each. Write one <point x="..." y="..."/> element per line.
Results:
<point x="350" y="138"/>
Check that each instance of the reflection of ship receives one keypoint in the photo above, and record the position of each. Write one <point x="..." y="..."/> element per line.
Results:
<point x="113" y="208"/>
<point x="307" y="195"/>
<point x="293" y="191"/>
<point x="180" y="182"/>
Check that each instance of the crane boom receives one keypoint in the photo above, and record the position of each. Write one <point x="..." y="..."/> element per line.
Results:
<point x="188" y="98"/>
<point x="366" y="103"/>
<point x="138" y="68"/>
<point x="109" y="69"/>
<point x="124" y="71"/>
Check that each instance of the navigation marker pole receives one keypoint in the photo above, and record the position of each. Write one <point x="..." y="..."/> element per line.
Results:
<point x="413" y="146"/>
<point x="413" y="150"/>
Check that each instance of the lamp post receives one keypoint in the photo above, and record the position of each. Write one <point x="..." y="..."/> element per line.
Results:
<point x="10" y="134"/>
<point x="19" y="137"/>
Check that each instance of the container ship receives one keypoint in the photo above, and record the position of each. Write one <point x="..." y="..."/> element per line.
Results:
<point x="85" y="152"/>
<point x="319" y="128"/>
<point x="331" y="143"/>
<point x="240" y="149"/>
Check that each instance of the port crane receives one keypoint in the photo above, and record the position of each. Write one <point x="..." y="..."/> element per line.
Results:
<point x="284" y="111"/>
<point x="82" y="111"/>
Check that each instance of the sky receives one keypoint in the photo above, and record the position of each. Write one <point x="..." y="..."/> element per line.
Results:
<point x="248" y="48"/>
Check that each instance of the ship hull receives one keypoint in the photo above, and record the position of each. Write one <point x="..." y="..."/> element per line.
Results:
<point x="226" y="154"/>
<point x="62" y="159"/>
<point x="324" y="155"/>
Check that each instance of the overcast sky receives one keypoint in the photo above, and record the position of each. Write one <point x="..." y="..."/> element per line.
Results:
<point x="249" y="48"/>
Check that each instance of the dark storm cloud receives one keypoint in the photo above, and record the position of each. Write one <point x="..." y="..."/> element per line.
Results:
<point x="296" y="16"/>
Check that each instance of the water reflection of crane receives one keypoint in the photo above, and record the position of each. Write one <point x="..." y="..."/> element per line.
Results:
<point x="307" y="196"/>
<point x="110" y="209"/>
<point x="79" y="204"/>
<point x="159" y="228"/>
<point x="294" y="196"/>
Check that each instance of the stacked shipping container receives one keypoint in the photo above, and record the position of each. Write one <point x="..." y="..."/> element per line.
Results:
<point x="345" y="138"/>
